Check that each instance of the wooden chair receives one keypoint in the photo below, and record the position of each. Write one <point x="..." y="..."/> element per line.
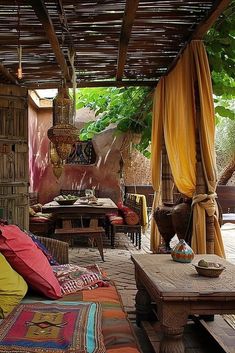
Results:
<point x="133" y="231"/>
<point x="226" y="200"/>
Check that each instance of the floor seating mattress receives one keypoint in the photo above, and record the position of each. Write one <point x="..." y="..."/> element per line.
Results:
<point x="117" y="331"/>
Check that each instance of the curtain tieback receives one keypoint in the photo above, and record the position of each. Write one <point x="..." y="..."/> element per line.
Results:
<point x="206" y="201"/>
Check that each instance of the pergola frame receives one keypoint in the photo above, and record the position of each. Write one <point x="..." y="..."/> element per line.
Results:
<point x="129" y="43"/>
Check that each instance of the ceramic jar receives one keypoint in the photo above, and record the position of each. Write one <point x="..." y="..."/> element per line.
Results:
<point x="182" y="252"/>
<point x="162" y="216"/>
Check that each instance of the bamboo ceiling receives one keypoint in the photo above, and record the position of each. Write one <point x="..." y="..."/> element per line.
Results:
<point x="107" y="42"/>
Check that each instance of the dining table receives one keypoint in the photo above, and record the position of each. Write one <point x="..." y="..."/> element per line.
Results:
<point x="80" y="210"/>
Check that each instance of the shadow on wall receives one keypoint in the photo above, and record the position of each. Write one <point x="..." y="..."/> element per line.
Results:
<point x="103" y="175"/>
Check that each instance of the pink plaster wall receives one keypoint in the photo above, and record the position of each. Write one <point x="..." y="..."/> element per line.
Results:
<point x="104" y="175"/>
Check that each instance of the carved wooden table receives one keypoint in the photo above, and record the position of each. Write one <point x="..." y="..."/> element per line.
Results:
<point x="78" y="210"/>
<point x="68" y="213"/>
<point x="178" y="291"/>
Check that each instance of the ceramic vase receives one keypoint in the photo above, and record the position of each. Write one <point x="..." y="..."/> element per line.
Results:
<point x="182" y="252"/>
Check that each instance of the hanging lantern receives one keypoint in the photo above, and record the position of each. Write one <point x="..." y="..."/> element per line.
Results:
<point x="56" y="162"/>
<point x="57" y="170"/>
<point x="63" y="134"/>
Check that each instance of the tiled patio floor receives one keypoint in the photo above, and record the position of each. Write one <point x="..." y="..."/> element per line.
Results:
<point x="120" y="269"/>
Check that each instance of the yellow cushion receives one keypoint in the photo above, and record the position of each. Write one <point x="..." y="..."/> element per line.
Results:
<point x="31" y="211"/>
<point x="12" y="287"/>
<point x="37" y="207"/>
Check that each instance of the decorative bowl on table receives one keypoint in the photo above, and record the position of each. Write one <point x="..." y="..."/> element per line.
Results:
<point x="209" y="269"/>
<point x="65" y="199"/>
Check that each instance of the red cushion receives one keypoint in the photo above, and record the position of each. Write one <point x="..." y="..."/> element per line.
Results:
<point x="130" y="216"/>
<point x="120" y="205"/>
<point x="36" y="219"/>
<point x="28" y="260"/>
<point x="116" y="220"/>
<point x="110" y="214"/>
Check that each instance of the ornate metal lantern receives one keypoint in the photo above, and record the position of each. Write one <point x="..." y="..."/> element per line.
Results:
<point x="63" y="134"/>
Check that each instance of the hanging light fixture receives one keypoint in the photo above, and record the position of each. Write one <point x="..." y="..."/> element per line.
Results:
<point x="63" y="134"/>
<point x="19" y="47"/>
<point x="56" y="162"/>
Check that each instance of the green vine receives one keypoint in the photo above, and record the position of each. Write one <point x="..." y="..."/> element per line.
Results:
<point x="220" y="46"/>
<point x="128" y="108"/>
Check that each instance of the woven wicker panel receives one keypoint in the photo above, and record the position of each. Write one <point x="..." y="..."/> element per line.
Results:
<point x="58" y="249"/>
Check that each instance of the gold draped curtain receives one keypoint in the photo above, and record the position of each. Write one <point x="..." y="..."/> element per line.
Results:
<point x="175" y="119"/>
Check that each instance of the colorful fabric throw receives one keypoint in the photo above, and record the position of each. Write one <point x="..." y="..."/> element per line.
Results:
<point x="73" y="278"/>
<point x="64" y="327"/>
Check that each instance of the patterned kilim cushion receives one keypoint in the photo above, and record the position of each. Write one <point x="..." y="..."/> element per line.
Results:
<point x="64" y="327"/>
<point x="73" y="278"/>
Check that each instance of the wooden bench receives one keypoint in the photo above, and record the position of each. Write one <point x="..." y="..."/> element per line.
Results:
<point x="226" y="200"/>
<point x="95" y="233"/>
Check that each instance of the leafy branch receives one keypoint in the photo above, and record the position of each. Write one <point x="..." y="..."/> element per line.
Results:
<point x="128" y="108"/>
<point x="220" y="45"/>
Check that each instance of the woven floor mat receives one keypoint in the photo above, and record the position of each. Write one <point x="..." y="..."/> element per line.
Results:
<point x="230" y="319"/>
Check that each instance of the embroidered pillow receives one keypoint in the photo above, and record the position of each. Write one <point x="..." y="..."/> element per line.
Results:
<point x="73" y="278"/>
<point x="53" y="328"/>
<point x="12" y="287"/>
<point x="28" y="260"/>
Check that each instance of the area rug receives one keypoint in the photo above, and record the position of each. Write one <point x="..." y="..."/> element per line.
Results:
<point x="53" y="328"/>
<point x="230" y="319"/>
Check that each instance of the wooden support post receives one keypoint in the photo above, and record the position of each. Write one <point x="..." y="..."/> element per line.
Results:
<point x="201" y="186"/>
<point x="167" y="182"/>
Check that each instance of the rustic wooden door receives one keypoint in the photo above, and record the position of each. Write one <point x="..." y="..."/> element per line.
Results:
<point x="14" y="155"/>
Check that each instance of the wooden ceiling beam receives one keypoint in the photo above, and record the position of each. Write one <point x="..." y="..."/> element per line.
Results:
<point x="43" y="16"/>
<point x="204" y="26"/>
<point x="127" y="24"/>
<point x="81" y="84"/>
<point x="8" y="75"/>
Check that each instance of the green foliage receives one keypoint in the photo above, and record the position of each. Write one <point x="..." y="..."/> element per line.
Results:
<point x="128" y="108"/>
<point x="224" y="142"/>
<point x="220" y="45"/>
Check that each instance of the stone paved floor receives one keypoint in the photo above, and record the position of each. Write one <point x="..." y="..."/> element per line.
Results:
<point x="120" y="269"/>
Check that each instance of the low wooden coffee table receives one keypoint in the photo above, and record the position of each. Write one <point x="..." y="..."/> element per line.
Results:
<point x="178" y="291"/>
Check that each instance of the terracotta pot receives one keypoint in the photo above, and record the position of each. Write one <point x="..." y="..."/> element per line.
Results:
<point x="163" y="218"/>
<point x="180" y="220"/>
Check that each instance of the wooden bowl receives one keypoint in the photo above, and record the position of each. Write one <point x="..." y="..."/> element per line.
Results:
<point x="209" y="271"/>
<point x="66" y="202"/>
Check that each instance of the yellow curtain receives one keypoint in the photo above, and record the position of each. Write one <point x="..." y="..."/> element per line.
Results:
<point x="156" y="161"/>
<point x="175" y="109"/>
